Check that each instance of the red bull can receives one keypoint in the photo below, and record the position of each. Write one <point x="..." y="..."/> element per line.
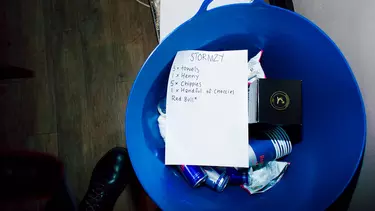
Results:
<point x="238" y="178"/>
<point x="194" y="175"/>
<point x="269" y="145"/>
<point x="214" y="180"/>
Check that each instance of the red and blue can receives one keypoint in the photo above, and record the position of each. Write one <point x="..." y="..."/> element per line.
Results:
<point x="238" y="178"/>
<point x="194" y="175"/>
<point x="269" y="145"/>
<point x="231" y="170"/>
<point x="216" y="180"/>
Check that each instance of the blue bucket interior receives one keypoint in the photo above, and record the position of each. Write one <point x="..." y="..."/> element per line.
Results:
<point x="334" y="126"/>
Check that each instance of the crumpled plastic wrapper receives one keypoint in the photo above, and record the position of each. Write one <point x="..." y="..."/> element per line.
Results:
<point x="255" y="68"/>
<point x="263" y="178"/>
<point x="162" y="125"/>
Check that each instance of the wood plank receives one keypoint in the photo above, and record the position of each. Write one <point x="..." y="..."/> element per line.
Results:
<point x="27" y="105"/>
<point x="85" y="55"/>
<point x="46" y="143"/>
<point x="26" y="48"/>
<point x="64" y="56"/>
<point x="93" y="71"/>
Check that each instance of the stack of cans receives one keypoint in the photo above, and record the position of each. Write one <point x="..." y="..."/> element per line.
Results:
<point x="196" y="176"/>
<point x="269" y="145"/>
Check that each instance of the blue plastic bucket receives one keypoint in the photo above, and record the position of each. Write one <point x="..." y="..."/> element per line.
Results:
<point x="334" y="124"/>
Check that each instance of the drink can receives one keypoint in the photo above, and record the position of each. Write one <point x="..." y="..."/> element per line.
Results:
<point x="215" y="180"/>
<point x="282" y="133"/>
<point x="281" y="140"/>
<point x="269" y="145"/>
<point x="194" y="175"/>
<point x="220" y="169"/>
<point x="261" y="149"/>
<point x="238" y="178"/>
<point x="229" y="170"/>
<point x="232" y="170"/>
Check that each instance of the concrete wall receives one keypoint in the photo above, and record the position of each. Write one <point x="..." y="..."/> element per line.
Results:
<point x="351" y="24"/>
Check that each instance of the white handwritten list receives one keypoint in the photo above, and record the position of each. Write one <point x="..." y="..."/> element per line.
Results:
<point x="207" y="109"/>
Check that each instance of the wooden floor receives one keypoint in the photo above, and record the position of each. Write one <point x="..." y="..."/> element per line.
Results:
<point x="85" y="55"/>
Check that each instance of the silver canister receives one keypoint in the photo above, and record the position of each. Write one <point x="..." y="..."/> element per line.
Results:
<point x="214" y="180"/>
